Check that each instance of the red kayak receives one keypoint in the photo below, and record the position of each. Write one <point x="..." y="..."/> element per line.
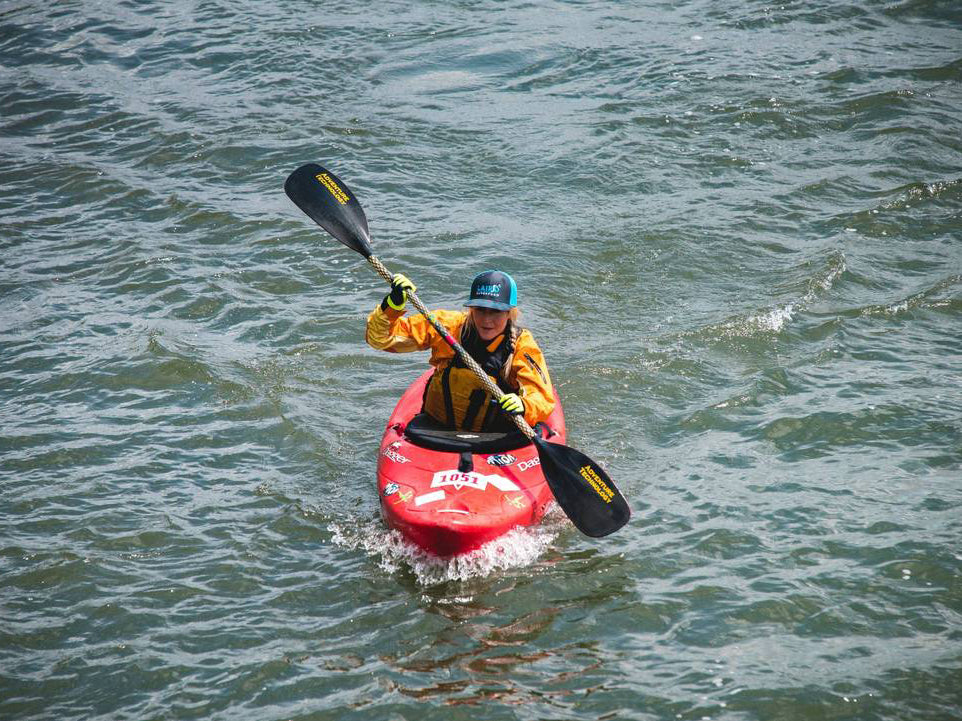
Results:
<point x="450" y="492"/>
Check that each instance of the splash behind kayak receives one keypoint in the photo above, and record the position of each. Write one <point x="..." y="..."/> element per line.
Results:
<point x="450" y="492"/>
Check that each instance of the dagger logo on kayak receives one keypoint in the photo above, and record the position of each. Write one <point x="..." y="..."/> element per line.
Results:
<point x="333" y="188"/>
<point x="525" y="465"/>
<point x="392" y="453"/>
<point x="471" y="479"/>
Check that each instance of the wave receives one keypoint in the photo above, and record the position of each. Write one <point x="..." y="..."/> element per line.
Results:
<point x="914" y="193"/>
<point x="933" y="298"/>
<point x="773" y="320"/>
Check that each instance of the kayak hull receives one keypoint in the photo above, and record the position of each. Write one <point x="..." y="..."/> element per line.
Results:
<point x="450" y="493"/>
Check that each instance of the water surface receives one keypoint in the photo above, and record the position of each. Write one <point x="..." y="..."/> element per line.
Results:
<point x="736" y="230"/>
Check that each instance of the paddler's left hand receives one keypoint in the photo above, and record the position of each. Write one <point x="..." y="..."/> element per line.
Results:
<point x="512" y="404"/>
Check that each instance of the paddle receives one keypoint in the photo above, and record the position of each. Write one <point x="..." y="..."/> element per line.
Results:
<point x="581" y="487"/>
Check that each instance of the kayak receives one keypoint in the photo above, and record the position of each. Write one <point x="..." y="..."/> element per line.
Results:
<point x="450" y="492"/>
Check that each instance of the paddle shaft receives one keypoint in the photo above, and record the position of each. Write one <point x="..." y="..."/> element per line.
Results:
<point x="485" y="379"/>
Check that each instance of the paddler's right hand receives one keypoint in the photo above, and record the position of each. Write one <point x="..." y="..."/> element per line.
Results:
<point x="400" y="287"/>
<point x="512" y="404"/>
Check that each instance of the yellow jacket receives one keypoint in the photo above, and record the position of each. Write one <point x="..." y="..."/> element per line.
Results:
<point x="525" y="374"/>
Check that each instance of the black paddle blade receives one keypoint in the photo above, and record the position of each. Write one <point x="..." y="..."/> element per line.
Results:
<point x="583" y="490"/>
<point x="331" y="204"/>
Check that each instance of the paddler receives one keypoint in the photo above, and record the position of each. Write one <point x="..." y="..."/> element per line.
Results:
<point x="489" y="331"/>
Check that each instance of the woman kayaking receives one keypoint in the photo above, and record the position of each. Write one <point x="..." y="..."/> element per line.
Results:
<point x="489" y="331"/>
<point x="580" y="486"/>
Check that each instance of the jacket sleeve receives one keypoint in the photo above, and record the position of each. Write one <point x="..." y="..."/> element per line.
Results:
<point x="531" y="375"/>
<point x="391" y="330"/>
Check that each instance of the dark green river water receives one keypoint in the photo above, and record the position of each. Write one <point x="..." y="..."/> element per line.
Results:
<point x="737" y="233"/>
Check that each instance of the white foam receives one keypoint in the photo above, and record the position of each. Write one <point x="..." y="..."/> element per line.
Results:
<point x="774" y="320"/>
<point x="771" y="321"/>
<point x="517" y="548"/>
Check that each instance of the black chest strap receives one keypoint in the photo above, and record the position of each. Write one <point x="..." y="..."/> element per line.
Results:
<point x="492" y="362"/>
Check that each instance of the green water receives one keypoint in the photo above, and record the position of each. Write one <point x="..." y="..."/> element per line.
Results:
<point x="737" y="234"/>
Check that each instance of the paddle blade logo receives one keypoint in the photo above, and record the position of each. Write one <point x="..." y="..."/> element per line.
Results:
<point x="596" y="482"/>
<point x="472" y="480"/>
<point x="333" y="188"/>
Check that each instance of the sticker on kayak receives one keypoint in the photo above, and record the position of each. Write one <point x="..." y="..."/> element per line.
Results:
<point x="525" y="465"/>
<point x="392" y="453"/>
<point x="501" y="459"/>
<point x="472" y="480"/>
<point x="516" y="501"/>
<point x="429" y="498"/>
<point x="397" y="494"/>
